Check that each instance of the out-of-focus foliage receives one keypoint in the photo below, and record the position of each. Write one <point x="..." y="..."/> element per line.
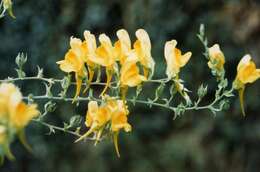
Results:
<point x="196" y="141"/>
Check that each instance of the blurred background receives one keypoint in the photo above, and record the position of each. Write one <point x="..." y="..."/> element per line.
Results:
<point x="197" y="141"/>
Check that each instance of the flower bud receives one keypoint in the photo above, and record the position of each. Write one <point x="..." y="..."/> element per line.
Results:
<point x="216" y="58"/>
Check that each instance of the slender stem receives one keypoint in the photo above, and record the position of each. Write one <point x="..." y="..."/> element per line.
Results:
<point x="96" y="99"/>
<point x="61" y="129"/>
<point x="57" y="98"/>
<point x="152" y="103"/>
<point x="211" y="105"/>
<point x="56" y="128"/>
<point x="51" y="80"/>
<point x="158" y="80"/>
<point x="69" y="99"/>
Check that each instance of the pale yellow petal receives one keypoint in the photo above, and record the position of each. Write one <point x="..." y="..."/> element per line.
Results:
<point x="76" y="47"/>
<point x="125" y="41"/>
<point x="185" y="58"/>
<point x="123" y="45"/>
<point x="244" y="61"/>
<point x="91" y="113"/>
<point x="143" y="36"/>
<point x="143" y="49"/>
<point x="71" y="63"/>
<point x="91" y="41"/>
<point x="170" y="57"/>
<point x="252" y="77"/>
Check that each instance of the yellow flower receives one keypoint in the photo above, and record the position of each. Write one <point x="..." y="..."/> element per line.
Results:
<point x="174" y="59"/>
<point x="142" y="47"/>
<point x="16" y="111"/>
<point x="23" y="114"/>
<point x="96" y="118"/>
<point x="14" y="116"/>
<point x="8" y="5"/>
<point x="123" y="45"/>
<point x="129" y="73"/>
<point x="73" y="62"/>
<point x="246" y="70"/>
<point x="91" y="46"/>
<point x="105" y="56"/>
<point x="112" y="113"/>
<point x="119" y="113"/>
<point x="246" y="73"/>
<point x="119" y="116"/>
<point x="216" y="58"/>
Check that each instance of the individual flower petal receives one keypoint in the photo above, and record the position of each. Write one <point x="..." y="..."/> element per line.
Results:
<point x="91" y="113"/>
<point x="91" y="46"/>
<point x="123" y="45"/>
<point x="71" y="63"/>
<point x="142" y="47"/>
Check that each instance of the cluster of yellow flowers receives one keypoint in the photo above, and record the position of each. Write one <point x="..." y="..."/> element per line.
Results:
<point x="14" y="116"/>
<point x="111" y="116"/>
<point x="246" y="70"/>
<point x="84" y="57"/>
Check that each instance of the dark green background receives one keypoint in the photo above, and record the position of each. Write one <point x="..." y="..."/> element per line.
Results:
<point x="196" y="141"/>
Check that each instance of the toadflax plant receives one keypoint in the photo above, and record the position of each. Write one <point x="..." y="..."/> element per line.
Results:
<point x="127" y="66"/>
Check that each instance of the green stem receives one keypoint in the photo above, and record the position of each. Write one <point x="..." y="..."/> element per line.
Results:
<point x="57" y="128"/>
<point x="52" y="80"/>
